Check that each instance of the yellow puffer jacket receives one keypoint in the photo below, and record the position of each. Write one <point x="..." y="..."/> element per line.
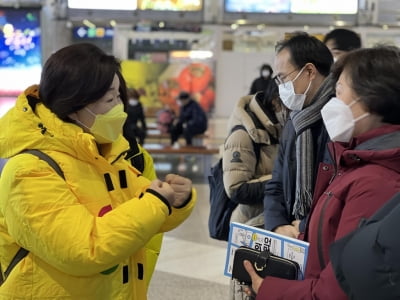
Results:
<point x="86" y="235"/>
<point x="153" y="247"/>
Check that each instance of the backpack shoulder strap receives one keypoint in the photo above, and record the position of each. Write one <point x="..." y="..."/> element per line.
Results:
<point x="48" y="159"/>
<point x="22" y="252"/>
<point x="136" y="157"/>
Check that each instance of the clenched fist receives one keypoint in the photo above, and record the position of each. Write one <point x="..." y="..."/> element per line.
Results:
<point x="181" y="186"/>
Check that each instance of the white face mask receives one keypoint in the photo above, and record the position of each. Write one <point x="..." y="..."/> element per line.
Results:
<point x="133" y="102"/>
<point x="289" y="97"/>
<point x="265" y="73"/>
<point x="338" y="119"/>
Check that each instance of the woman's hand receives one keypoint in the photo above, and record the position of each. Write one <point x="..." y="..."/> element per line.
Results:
<point x="256" y="280"/>
<point x="181" y="186"/>
<point x="164" y="189"/>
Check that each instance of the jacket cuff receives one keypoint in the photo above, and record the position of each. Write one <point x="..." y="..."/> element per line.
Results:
<point x="162" y="198"/>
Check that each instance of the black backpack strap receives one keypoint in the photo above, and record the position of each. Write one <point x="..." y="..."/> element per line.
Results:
<point x="48" y="159"/>
<point x="135" y="157"/>
<point x="22" y="252"/>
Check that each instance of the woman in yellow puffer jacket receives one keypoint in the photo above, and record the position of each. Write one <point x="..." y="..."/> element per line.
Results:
<point x="86" y="234"/>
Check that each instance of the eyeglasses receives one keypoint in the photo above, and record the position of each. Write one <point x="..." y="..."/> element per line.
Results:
<point x="279" y="79"/>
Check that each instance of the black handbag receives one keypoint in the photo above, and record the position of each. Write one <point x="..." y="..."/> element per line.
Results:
<point x="265" y="264"/>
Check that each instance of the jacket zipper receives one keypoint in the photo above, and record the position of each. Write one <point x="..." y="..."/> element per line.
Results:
<point x="320" y="227"/>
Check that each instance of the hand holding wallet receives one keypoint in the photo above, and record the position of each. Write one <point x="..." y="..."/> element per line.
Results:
<point x="265" y="264"/>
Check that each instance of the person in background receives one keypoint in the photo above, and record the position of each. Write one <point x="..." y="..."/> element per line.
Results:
<point x="302" y="64"/>
<point x="249" y="152"/>
<point x="86" y="233"/>
<point x="364" y="126"/>
<point x="341" y="40"/>
<point x="192" y="119"/>
<point x="261" y="83"/>
<point x="135" y="127"/>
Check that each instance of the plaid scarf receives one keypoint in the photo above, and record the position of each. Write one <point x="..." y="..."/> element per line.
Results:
<point x="305" y="159"/>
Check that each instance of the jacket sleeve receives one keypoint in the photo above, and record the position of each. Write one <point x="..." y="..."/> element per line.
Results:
<point x="275" y="212"/>
<point x="249" y="193"/>
<point x="44" y="216"/>
<point x="153" y="247"/>
<point x="179" y="215"/>
<point x="325" y="287"/>
<point x="374" y="190"/>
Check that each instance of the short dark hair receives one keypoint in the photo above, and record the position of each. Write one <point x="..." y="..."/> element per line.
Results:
<point x="183" y="95"/>
<point x="75" y="76"/>
<point x="307" y="49"/>
<point x="374" y="76"/>
<point x="133" y="93"/>
<point x="265" y="100"/>
<point x="344" y="39"/>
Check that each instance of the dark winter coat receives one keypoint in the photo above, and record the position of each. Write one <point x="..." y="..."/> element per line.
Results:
<point x="367" y="261"/>
<point x="280" y="190"/>
<point x="261" y="83"/>
<point x="193" y="116"/>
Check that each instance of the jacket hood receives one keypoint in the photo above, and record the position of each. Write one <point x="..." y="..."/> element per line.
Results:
<point x="379" y="146"/>
<point x="260" y="132"/>
<point x="31" y="125"/>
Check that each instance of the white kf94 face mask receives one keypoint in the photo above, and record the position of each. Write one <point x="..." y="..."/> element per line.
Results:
<point x="289" y="97"/>
<point x="338" y="119"/>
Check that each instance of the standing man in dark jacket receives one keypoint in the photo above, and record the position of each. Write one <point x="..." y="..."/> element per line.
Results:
<point x="192" y="119"/>
<point x="302" y="65"/>
<point x="261" y="83"/>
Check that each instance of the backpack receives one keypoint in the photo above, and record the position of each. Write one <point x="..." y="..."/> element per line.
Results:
<point x="221" y="206"/>
<point x="366" y="262"/>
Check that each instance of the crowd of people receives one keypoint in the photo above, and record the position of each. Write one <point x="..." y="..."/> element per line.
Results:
<point x="336" y="164"/>
<point x="317" y="155"/>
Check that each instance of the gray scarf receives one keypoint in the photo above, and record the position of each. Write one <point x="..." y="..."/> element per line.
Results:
<point x="302" y="122"/>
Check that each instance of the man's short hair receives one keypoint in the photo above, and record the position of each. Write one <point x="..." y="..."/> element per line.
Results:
<point x="344" y="39"/>
<point x="183" y="96"/>
<point x="304" y="49"/>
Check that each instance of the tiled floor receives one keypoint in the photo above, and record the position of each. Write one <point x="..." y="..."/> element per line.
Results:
<point x="191" y="264"/>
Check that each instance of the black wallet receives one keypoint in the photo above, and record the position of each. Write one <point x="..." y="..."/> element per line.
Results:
<point x="265" y="264"/>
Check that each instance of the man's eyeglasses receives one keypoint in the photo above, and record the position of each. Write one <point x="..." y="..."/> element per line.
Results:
<point x="279" y="79"/>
